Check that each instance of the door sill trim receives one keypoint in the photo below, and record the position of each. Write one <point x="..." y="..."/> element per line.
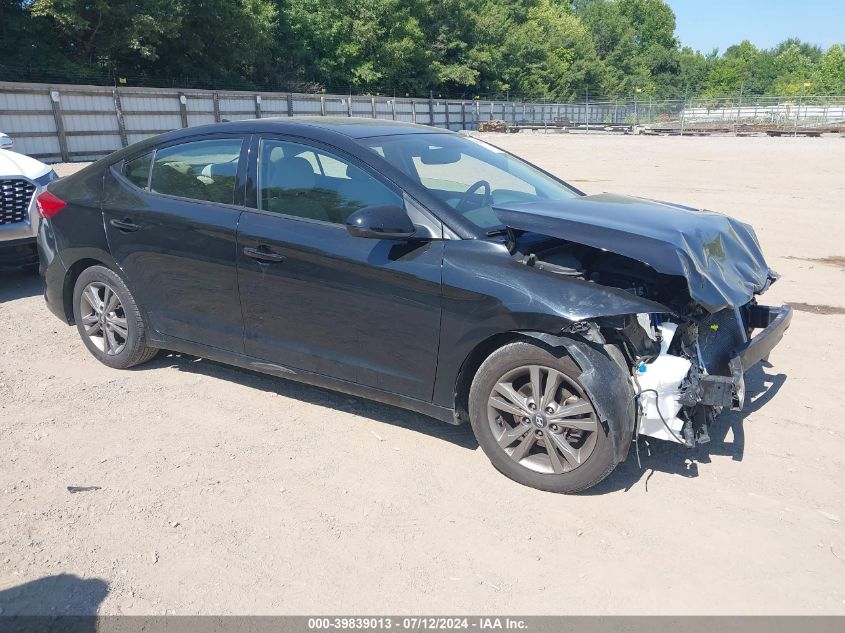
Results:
<point x="444" y="414"/>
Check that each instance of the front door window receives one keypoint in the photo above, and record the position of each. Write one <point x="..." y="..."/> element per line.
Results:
<point x="305" y="182"/>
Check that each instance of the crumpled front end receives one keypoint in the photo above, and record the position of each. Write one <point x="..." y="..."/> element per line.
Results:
<point x="698" y="369"/>
<point x="717" y="256"/>
<point x="705" y="270"/>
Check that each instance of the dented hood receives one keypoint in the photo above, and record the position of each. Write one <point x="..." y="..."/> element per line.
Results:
<point x="718" y="256"/>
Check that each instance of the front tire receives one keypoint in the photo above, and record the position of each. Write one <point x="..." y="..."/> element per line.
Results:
<point x="536" y="422"/>
<point x="108" y="319"/>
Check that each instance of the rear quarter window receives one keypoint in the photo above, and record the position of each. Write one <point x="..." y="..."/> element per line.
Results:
<point x="137" y="170"/>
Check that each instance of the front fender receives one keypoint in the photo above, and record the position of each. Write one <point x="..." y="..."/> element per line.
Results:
<point x="486" y="293"/>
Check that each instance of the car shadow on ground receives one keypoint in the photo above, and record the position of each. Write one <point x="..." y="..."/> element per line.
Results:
<point x="60" y="595"/>
<point x="675" y="459"/>
<point x="19" y="284"/>
<point x="655" y="456"/>
<point x="459" y="435"/>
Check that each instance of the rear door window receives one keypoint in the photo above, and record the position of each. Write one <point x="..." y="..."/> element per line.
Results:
<point x="200" y="170"/>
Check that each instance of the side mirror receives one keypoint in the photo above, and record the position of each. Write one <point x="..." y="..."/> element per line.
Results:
<point x="381" y="222"/>
<point x="6" y="142"/>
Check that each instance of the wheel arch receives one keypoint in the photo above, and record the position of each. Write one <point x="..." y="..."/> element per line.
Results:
<point x="74" y="270"/>
<point x="604" y="375"/>
<point x="469" y="367"/>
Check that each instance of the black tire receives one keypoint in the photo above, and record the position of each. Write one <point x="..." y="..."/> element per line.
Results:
<point x="132" y="348"/>
<point x="597" y="465"/>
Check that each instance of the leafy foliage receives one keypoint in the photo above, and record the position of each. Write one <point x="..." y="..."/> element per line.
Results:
<point x="542" y="49"/>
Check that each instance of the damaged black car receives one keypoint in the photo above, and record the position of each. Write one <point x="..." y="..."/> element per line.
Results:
<point x="420" y="268"/>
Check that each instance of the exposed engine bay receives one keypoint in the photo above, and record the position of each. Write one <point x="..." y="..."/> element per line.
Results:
<point x="682" y="361"/>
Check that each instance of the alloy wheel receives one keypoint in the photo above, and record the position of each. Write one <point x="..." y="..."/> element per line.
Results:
<point x="103" y="318"/>
<point x="542" y="419"/>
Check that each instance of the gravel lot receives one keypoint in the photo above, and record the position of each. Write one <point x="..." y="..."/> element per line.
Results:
<point x="222" y="491"/>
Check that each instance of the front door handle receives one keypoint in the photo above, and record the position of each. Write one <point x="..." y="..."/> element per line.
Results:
<point x="126" y="225"/>
<point x="264" y="254"/>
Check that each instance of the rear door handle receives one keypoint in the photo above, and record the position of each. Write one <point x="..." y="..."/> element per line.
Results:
<point x="125" y="225"/>
<point x="264" y="254"/>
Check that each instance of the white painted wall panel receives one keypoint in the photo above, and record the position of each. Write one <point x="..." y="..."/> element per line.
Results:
<point x="90" y="122"/>
<point x="13" y="124"/>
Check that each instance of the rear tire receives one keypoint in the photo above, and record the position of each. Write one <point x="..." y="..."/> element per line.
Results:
<point x="108" y="319"/>
<point x="536" y="422"/>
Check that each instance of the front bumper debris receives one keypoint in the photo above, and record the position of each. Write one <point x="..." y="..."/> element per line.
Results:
<point x="729" y="391"/>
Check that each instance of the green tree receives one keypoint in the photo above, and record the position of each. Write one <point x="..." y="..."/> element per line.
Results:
<point x="793" y="67"/>
<point x="548" y="53"/>
<point x="693" y="70"/>
<point x="545" y="49"/>
<point x="738" y="67"/>
<point x="636" y="40"/>
<point x="355" y="44"/>
<point x="829" y="72"/>
<point x="176" y="38"/>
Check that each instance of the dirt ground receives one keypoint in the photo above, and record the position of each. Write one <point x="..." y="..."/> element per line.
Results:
<point x="220" y="491"/>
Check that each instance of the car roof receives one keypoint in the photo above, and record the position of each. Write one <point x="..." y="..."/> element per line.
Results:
<point x="350" y="127"/>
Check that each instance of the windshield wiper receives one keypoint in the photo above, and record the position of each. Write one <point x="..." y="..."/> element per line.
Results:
<point x="497" y="232"/>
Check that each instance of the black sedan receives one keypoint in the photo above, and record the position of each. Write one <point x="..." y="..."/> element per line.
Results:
<point x="421" y="268"/>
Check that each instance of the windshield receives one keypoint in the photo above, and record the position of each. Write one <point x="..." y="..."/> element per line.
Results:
<point x="467" y="174"/>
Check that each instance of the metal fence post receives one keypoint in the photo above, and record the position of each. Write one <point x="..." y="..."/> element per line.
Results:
<point x="55" y="99"/>
<point x="121" y="124"/>
<point x="257" y="106"/>
<point x="373" y="106"/>
<point x="447" y="115"/>
<point x="414" y="112"/>
<point x="349" y="106"/>
<point x="183" y="109"/>
<point x="290" y="104"/>
<point x="463" y="115"/>
<point x="393" y="108"/>
<point x="322" y="105"/>
<point x="587" y="108"/>
<point x="215" y="100"/>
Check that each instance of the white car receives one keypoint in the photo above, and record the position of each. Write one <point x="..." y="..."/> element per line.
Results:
<point x="21" y="179"/>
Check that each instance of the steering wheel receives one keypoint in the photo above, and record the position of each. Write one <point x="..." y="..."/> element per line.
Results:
<point x="465" y="198"/>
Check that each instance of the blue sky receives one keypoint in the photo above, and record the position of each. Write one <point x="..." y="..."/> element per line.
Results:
<point x="709" y="24"/>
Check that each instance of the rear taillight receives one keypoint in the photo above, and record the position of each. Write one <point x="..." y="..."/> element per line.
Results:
<point x="49" y="204"/>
